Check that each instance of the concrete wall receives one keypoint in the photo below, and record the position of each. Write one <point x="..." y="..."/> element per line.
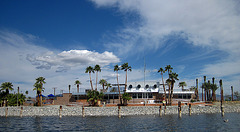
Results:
<point x="111" y="111"/>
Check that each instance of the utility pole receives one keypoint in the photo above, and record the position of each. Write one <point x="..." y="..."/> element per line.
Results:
<point x="54" y="90"/>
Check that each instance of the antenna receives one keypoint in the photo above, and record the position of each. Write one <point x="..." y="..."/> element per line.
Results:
<point x="144" y="71"/>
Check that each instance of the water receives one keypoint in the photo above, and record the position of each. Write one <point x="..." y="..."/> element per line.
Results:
<point x="202" y="122"/>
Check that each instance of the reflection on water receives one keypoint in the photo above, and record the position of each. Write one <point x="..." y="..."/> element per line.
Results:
<point x="202" y="122"/>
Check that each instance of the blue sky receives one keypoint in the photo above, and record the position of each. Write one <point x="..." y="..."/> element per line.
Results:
<point x="59" y="39"/>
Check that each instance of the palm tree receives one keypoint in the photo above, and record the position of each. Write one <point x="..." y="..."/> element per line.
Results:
<point x="90" y="70"/>
<point x="108" y="85"/>
<point x="116" y="69"/>
<point x="168" y="81"/>
<point x="214" y="87"/>
<point x="103" y="82"/>
<point x="93" y="97"/>
<point x="182" y="84"/>
<point x="204" y="78"/>
<point x="26" y="92"/>
<point x="206" y="86"/>
<point x="173" y="77"/>
<point x="6" y="86"/>
<point x="77" y="82"/>
<point x="126" y="68"/>
<point x="97" y="68"/>
<point x="39" y="87"/>
<point x="162" y="71"/>
<point x="169" y="69"/>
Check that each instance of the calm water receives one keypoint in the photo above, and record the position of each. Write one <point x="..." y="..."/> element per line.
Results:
<point x="202" y="122"/>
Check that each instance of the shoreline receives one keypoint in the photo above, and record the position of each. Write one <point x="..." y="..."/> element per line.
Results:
<point x="54" y="110"/>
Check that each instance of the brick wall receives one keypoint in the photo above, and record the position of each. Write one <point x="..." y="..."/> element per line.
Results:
<point x="63" y="100"/>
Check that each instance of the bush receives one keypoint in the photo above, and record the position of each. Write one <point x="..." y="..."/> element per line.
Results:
<point x="192" y="100"/>
<point x="93" y="97"/>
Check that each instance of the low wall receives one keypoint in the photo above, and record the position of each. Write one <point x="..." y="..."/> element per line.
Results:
<point x="111" y="111"/>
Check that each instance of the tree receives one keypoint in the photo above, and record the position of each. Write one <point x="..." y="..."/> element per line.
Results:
<point x="38" y="86"/>
<point x="173" y="77"/>
<point x="6" y="86"/>
<point x="12" y="99"/>
<point x="26" y="92"/>
<point x="182" y="84"/>
<point x="126" y="68"/>
<point x="236" y="94"/>
<point x="97" y="68"/>
<point x="126" y="97"/>
<point x="168" y="81"/>
<point x="162" y="71"/>
<point x="195" y="89"/>
<point x="116" y="69"/>
<point x="206" y="86"/>
<point x="90" y="70"/>
<point x="214" y="87"/>
<point x="103" y="82"/>
<point x="108" y="85"/>
<point x="77" y="82"/>
<point x="169" y="69"/>
<point x="93" y="97"/>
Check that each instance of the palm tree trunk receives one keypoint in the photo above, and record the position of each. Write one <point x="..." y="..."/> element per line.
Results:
<point x="78" y="88"/>
<point x="91" y="81"/>
<point x="41" y="98"/>
<point x="171" y="93"/>
<point x="213" y="96"/>
<point x="119" y="96"/>
<point x="125" y="83"/>
<point x="205" y="97"/>
<point x="163" y="87"/>
<point x="96" y="80"/>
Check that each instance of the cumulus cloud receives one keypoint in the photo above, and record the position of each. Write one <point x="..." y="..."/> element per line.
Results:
<point x="73" y="58"/>
<point x="22" y="60"/>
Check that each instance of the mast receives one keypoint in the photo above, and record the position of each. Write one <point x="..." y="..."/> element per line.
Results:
<point x="144" y="71"/>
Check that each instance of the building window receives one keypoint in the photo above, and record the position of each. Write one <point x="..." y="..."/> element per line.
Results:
<point x="138" y="86"/>
<point x="147" y="86"/>
<point x="150" y="95"/>
<point x="144" y="95"/>
<point x="179" y="96"/>
<point x="155" y="86"/>
<point x="140" y="95"/>
<point x="134" y="95"/>
<point x="184" y="96"/>
<point x="130" y="86"/>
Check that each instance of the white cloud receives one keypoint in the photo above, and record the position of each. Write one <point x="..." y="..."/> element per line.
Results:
<point x="73" y="58"/>
<point x="222" y="69"/>
<point x="208" y="24"/>
<point x="22" y="61"/>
